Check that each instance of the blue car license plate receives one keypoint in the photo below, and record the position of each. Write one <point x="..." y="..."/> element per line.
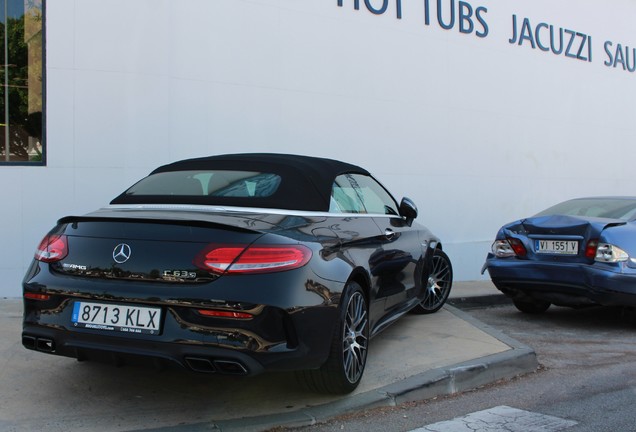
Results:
<point x="557" y="247"/>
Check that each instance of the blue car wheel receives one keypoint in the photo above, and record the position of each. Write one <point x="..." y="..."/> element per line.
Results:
<point x="531" y="306"/>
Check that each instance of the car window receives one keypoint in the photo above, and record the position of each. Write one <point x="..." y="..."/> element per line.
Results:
<point x="357" y="193"/>
<point x="244" y="184"/>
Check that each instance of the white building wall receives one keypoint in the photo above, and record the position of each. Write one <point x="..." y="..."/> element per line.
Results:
<point x="477" y="130"/>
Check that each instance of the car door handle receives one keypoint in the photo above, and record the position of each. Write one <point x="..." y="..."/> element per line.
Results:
<point x="390" y="234"/>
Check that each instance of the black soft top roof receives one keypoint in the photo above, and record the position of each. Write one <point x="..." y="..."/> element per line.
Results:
<point x="306" y="181"/>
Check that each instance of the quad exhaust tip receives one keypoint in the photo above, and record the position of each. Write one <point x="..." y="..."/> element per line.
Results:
<point x="197" y="364"/>
<point x="206" y="365"/>
<point x="38" y="343"/>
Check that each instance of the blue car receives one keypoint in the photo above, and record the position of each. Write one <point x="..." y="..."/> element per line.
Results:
<point x="577" y="253"/>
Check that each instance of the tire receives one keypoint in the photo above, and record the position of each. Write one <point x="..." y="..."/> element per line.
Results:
<point x="531" y="306"/>
<point x="343" y="370"/>
<point x="438" y="284"/>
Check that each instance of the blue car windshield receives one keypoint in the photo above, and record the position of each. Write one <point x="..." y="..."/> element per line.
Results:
<point x="611" y="208"/>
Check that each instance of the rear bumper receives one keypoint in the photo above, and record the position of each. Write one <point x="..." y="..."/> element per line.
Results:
<point x="564" y="284"/>
<point x="119" y="352"/>
<point x="183" y="350"/>
<point x="293" y="315"/>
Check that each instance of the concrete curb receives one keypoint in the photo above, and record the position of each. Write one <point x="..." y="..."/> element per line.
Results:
<point x="520" y="359"/>
<point x="473" y="302"/>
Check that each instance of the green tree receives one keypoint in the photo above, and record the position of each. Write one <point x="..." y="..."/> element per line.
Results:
<point x="24" y="69"/>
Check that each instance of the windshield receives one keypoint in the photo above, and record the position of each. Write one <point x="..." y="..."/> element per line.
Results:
<point x="612" y="208"/>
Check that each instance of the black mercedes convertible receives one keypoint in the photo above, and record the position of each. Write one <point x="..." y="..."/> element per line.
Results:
<point x="236" y="264"/>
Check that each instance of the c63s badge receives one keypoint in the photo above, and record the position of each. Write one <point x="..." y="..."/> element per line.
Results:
<point x="179" y="274"/>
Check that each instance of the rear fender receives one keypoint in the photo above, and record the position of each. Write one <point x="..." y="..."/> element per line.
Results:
<point x="623" y="236"/>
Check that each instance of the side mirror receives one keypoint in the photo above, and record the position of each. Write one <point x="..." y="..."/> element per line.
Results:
<point x="408" y="210"/>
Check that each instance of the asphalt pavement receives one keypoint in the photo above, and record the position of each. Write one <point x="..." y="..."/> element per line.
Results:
<point x="419" y="357"/>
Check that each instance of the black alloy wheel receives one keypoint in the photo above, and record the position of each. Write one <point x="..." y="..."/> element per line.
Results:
<point x="438" y="284"/>
<point x="345" y="365"/>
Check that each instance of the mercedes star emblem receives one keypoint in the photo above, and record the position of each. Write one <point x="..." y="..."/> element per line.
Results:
<point x="121" y="253"/>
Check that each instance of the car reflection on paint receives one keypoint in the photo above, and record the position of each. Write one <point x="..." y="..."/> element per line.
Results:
<point x="237" y="264"/>
<point x="577" y="253"/>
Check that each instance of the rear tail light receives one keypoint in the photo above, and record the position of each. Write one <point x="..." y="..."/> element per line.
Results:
<point x="502" y="249"/>
<point x="517" y="246"/>
<point x="606" y="252"/>
<point x="52" y="248"/>
<point x="224" y="314"/>
<point x="590" y="249"/>
<point x="508" y="248"/>
<point x="36" y="296"/>
<point x="239" y="259"/>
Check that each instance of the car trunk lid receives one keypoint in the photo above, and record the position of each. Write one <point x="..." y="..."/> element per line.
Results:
<point x="154" y="246"/>
<point x="559" y="237"/>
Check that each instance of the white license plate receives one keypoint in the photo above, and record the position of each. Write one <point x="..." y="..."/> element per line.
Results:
<point x="115" y="317"/>
<point x="559" y="247"/>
